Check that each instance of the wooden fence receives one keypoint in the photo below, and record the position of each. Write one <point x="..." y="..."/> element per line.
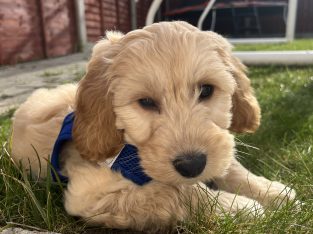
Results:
<point x="37" y="29"/>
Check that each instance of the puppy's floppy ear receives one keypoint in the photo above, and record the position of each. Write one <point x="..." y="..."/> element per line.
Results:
<point x="94" y="131"/>
<point x="246" y="110"/>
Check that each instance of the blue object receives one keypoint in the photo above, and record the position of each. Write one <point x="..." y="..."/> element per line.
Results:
<point x="64" y="136"/>
<point x="127" y="162"/>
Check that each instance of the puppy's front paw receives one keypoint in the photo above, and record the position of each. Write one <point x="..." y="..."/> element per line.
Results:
<point x="234" y="204"/>
<point x="248" y="206"/>
<point x="278" y="195"/>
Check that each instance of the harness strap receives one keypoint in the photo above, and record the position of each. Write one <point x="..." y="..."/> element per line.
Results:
<point x="127" y="162"/>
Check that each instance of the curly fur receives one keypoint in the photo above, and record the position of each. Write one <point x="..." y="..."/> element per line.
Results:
<point x="168" y="62"/>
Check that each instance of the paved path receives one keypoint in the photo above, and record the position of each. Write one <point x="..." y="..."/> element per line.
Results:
<point x="22" y="231"/>
<point x="19" y="81"/>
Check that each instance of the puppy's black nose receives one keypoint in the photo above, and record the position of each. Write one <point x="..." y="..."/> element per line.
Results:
<point x="190" y="164"/>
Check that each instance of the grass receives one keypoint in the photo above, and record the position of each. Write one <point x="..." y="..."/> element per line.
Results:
<point x="78" y="74"/>
<point x="50" y="73"/>
<point x="299" y="44"/>
<point x="285" y="142"/>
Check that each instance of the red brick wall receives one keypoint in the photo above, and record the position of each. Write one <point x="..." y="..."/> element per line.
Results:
<point x="142" y="11"/>
<point x="102" y="15"/>
<point x="93" y="19"/>
<point x="124" y="16"/>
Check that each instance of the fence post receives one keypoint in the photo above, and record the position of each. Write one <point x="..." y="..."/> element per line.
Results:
<point x="133" y="14"/>
<point x="291" y="19"/>
<point x="81" y="23"/>
<point x="42" y="29"/>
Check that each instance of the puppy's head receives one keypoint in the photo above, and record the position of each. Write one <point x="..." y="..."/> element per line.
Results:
<point x="171" y="90"/>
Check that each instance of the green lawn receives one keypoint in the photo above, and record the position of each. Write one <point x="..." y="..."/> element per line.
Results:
<point x="285" y="153"/>
<point x="299" y="44"/>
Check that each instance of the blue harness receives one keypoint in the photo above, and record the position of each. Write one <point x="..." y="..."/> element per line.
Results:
<point x="127" y="162"/>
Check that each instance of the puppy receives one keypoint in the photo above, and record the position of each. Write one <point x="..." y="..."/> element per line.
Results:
<point x="151" y="120"/>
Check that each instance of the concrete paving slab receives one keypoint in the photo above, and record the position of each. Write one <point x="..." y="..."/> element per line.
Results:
<point x="19" y="81"/>
<point x="23" y="231"/>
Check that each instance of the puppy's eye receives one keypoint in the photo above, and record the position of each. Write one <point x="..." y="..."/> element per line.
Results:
<point x="148" y="104"/>
<point x="206" y="91"/>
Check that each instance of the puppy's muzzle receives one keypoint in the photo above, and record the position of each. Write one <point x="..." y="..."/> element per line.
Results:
<point x="190" y="164"/>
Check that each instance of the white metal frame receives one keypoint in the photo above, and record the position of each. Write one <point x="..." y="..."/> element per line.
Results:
<point x="290" y="25"/>
<point x="295" y="57"/>
<point x="155" y="5"/>
<point x="205" y="13"/>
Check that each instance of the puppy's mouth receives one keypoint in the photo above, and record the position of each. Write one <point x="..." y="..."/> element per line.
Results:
<point x="190" y="165"/>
